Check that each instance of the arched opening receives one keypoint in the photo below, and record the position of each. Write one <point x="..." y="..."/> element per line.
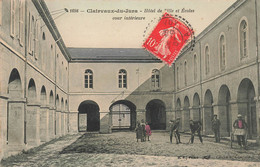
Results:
<point x="43" y="115"/>
<point x="51" y="116"/>
<point x="15" y="112"/>
<point x="208" y="112"/>
<point x="31" y="91"/>
<point x="89" y="116"/>
<point x="156" y="114"/>
<point x="186" y="114"/>
<point x="196" y="108"/>
<point x="178" y="112"/>
<point x="123" y="115"/>
<point x="62" y="117"/>
<point x="247" y="105"/>
<point x="224" y="110"/>
<point x="57" y="116"/>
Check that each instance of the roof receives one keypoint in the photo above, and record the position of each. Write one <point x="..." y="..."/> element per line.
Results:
<point x="110" y="54"/>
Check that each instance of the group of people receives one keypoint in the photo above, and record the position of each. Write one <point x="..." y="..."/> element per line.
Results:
<point x="143" y="131"/>
<point x="195" y="127"/>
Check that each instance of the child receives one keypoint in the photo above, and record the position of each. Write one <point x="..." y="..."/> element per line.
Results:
<point x="138" y="131"/>
<point x="148" y="130"/>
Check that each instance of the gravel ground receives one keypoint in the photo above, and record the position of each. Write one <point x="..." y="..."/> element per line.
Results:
<point x="121" y="149"/>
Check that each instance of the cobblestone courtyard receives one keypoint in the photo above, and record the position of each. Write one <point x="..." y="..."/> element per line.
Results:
<point x="121" y="149"/>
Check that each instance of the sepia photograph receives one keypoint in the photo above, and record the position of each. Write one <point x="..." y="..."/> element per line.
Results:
<point x="169" y="83"/>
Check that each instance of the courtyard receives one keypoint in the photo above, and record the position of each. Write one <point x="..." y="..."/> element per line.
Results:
<point x="121" y="149"/>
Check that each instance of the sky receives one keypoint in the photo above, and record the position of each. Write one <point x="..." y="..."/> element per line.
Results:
<point x="79" y="27"/>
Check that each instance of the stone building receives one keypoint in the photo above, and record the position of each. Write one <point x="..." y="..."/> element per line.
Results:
<point x="34" y="77"/>
<point x="221" y="74"/>
<point x="48" y="90"/>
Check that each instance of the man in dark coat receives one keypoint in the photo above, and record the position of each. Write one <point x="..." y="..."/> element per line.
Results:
<point x="240" y="125"/>
<point x="174" y="130"/>
<point x="195" y="126"/>
<point x="216" y="128"/>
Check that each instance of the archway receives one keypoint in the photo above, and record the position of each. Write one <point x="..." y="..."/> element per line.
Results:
<point x="51" y="115"/>
<point x="178" y="112"/>
<point x="224" y="110"/>
<point x="43" y="116"/>
<point x="196" y="108"/>
<point x="208" y="112"/>
<point x="247" y="105"/>
<point x="156" y="114"/>
<point x="89" y="116"/>
<point x="123" y="115"/>
<point x="62" y="117"/>
<point x="57" y="116"/>
<point x="15" y="112"/>
<point x="186" y="114"/>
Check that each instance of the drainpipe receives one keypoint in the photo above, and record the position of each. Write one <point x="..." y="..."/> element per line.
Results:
<point x="25" y="67"/>
<point x="257" y="72"/>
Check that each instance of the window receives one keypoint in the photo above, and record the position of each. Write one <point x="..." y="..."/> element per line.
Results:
<point x="155" y="78"/>
<point x="222" y="52"/>
<point x="88" y="79"/>
<point x="21" y="21"/>
<point x="185" y="73"/>
<point x="243" y="41"/>
<point x="31" y="37"/>
<point x="122" y="79"/>
<point x="177" y="78"/>
<point x="195" y="67"/>
<point x="36" y="41"/>
<point x="12" y="25"/>
<point x="1" y="10"/>
<point x="207" y="60"/>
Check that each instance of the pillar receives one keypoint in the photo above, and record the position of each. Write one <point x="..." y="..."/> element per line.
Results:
<point x="51" y="123"/>
<point x="58" y="123"/>
<point x="73" y="122"/>
<point x="62" y="123"/>
<point x="44" y="123"/>
<point x="15" y="126"/>
<point x="170" y="115"/>
<point x="105" y="122"/>
<point x="33" y="124"/>
<point x="207" y="114"/>
<point x="140" y="114"/>
<point x="3" y="125"/>
<point x="258" y="120"/>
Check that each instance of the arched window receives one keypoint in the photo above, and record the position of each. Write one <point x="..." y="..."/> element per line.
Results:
<point x="185" y="73"/>
<point x="195" y="67"/>
<point x="207" y="60"/>
<point x="222" y="52"/>
<point x="88" y="79"/>
<point x="177" y="77"/>
<point x="122" y="79"/>
<point x="243" y="41"/>
<point x="21" y="22"/>
<point x="155" y="78"/>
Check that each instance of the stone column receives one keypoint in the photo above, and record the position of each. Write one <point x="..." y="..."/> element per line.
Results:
<point x="3" y="125"/>
<point x="51" y="123"/>
<point x="44" y="123"/>
<point x="15" y="125"/>
<point x="58" y="123"/>
<point x="170" y="114"/>
<point x="194" y="113"/>
<point x="140" y="114"/>
<point x="185" y="119"/>
<point x="235" y="110"/>
<point x="62" y="123"/>
<point x="207" y="114"/>
<point x="33" y="124"/>
<point x="105" y="122"/>
<point x="73" y="122"/>
<point x="258" y="120"/>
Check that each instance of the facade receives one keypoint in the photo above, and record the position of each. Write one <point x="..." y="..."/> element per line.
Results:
<point x="34" y="77"/>
<point x="48" y="90"/>
<point x="221" y="74"/>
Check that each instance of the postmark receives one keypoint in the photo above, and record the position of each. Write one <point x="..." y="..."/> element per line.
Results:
<point x="168" y="38"/>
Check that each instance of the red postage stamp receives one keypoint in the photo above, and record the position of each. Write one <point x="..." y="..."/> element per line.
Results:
<point x="168" y="38"/>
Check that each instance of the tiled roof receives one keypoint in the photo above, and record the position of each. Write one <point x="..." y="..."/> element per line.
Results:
<point x="110" y="54"/>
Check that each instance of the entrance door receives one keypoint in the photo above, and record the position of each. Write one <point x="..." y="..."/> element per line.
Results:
<point x="251" y="120"/>
<point x="121" y="116"/>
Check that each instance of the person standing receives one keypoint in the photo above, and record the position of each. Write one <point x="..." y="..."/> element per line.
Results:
<point x="143" y="131"/>
<point x="216" y="128"/>
<point x="195" y="126"/>
<point x="174" y="130"/>
<point x="240" y="126"/>
<point x="148" y="130"/>
<point x="138" y="131"/>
